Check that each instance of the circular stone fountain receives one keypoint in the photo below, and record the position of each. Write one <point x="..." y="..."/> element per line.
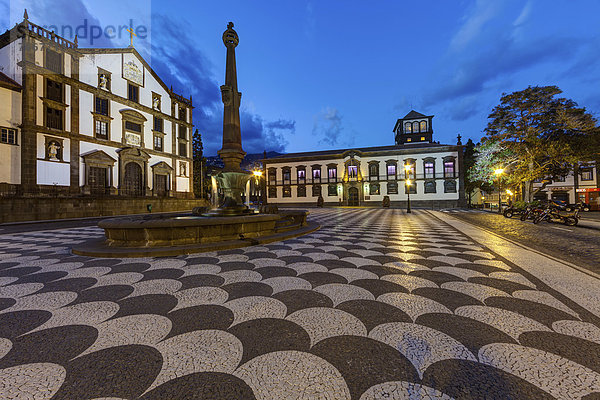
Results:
<point x="229" y="226"/>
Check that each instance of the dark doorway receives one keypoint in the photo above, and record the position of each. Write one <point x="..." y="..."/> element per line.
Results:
<point x="160" y="185"/>
<point x="353" y="196"/>
<point x="133" y="184"/>
<point x="97" y="180"/>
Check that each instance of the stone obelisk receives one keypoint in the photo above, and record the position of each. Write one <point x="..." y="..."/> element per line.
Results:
<point x="231" y="153"/>
<point x="232" y="179"/>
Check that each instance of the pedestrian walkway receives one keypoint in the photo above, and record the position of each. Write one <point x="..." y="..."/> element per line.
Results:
<point x="377" y="304"/>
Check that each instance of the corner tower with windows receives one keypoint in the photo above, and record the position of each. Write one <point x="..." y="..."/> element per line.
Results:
<point x="414" y="128"/>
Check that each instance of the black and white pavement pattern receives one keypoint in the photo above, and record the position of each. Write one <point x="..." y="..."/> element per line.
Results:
<point x="377" y="304"/>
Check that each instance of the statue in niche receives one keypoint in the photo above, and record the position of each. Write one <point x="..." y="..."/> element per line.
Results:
<point x="156" y="103"/>
<point x="103" y="81"/>
<point x="53" y="149"/>
<point x="182" y="169"/>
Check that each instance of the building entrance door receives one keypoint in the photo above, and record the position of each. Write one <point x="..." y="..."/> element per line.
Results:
<point x="161" y="185"/>
<point x="594" y="201"/>
<point x="353" y="196"/>
<point x="133" y="182"/>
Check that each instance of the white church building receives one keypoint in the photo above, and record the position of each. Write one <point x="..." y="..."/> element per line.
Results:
<point x="88" y="121"/>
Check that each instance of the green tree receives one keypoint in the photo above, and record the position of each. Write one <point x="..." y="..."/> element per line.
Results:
<point x="199" y="164"/>
<point x="534" y="134"/>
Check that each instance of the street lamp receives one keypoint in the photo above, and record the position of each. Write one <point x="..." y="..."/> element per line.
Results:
<point x="257" y="174"/>
<point x="407" y="182"/>
<point x="498" y="172"/>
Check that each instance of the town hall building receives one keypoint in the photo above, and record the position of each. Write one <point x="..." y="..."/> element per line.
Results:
<point x="88" y="121"/>
<point x="431" y="173"/>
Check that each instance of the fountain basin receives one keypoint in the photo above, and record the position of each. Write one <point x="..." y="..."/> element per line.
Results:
<point x="151" y="236"/>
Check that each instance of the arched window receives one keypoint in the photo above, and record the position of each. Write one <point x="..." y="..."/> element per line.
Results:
<point x="415" y="126"/>
<point x="407" y="127"/>
<point x="423" y="126"/>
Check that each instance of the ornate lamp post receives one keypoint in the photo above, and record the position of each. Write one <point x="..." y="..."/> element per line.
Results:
<point x="498" y="172"/>
<point x="407" y="184"/>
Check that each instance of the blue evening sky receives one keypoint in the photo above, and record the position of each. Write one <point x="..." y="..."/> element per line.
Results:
<point x="336" y="74"/>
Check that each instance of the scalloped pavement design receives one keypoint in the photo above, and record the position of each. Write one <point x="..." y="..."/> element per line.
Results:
<point x="377" y="304"/>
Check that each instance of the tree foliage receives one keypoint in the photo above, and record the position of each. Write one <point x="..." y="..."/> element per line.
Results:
<point x="533" y="134"/>
<point x="199" y="164"/>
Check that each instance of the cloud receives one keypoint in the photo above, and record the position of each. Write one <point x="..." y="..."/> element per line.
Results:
<point x="192" y="73"/>
<point x="482" y="12"/>
<point x="484" y="52"/>
<point x="328" y="126"/>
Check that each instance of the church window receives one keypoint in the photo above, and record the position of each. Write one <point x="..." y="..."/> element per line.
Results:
<point x="132" y="126"/>
<point x="101" y="106"/>
<point x="415" y="127"/>
<point x="407" y="127"/>
<point x="101" y="129"/>
<point x="182" y="132"/>
<point x="54" y="90"/>
<point x="8" y="136"/>
<point x="423" y="126"/>
<point x="133" y="92"/>
<point x="158" y="124"/>
<point x="158" y="142"/>
<point x="54" y="61"/>
<point x="182" y="114"/>
<point x="54" y="118"/>
<point x="183" y="149"/>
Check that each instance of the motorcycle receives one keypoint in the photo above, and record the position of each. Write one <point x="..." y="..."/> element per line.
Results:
<point x="551" y="213"/>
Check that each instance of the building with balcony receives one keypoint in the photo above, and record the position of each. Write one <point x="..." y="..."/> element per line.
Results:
<point x="432" y="172"/>
<point x="88" y="121"/>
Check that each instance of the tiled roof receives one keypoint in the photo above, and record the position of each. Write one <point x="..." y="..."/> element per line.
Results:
<point x="413" y="115"/>
<point x="5" y="81"/>
<point x="359" y="149"/>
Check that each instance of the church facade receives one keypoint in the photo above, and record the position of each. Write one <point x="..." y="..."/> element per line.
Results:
<point x="416" y="166"/>
<point x="88" y="121"/>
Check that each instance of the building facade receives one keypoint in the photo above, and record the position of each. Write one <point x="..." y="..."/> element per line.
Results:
<point x="365" y="176"/>
<point x="95" y="122"/>
<point x="581" y="186"/>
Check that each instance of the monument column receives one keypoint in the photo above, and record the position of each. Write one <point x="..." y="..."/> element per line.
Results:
<point x="231" y="153"/>
<point x="232" y="179"/>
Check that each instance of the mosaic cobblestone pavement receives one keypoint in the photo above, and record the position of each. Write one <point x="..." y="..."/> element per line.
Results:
<point x="375" y="305"/>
